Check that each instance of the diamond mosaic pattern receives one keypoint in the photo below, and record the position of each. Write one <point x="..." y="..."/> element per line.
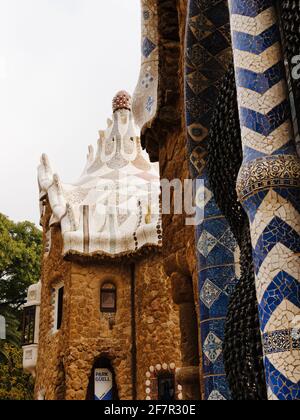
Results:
<point x="206" y="243"/>
<point x="210" y="293"/>
<point x="205" y="64"/>
<point x="208" y="52"/>
<point x="148" y="47"/>
<point x="212" y="347"/>
<point x="216" y="396"/>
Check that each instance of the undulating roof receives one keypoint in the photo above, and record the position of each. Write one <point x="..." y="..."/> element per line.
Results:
<point x="113" y="209"/>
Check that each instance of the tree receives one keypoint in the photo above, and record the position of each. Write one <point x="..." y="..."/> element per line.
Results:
<point x="14" y="383"/>
<point x="20" y="260"/>
<point x="13" y="335"/>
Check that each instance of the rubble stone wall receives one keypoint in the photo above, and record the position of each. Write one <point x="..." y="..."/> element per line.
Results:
<point x="66" y="357"/>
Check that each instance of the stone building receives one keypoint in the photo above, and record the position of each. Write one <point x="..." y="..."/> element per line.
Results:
<point x="105" y="300"/>
<point x="225" y="104"/>
<point x="212" y="308"/>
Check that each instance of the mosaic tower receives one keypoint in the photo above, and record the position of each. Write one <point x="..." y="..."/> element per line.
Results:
<point x="208" y="53"/>
<point x="268" y="187"/>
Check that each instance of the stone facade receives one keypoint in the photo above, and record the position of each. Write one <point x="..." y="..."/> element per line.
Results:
<point x="158" y="333"/>
<point x="165" y="141"/>
<point x="66" y="357"/>
<point x="165" y="294"/>
<point x="173" y="294"/>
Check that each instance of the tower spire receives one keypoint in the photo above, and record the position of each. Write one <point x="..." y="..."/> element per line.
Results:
<point x="122" y="100"/>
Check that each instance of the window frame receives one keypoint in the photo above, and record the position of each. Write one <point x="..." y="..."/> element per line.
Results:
<point x="29" y="321"/>
<point x="108" y="288"/>
<point x="58" y="306"/>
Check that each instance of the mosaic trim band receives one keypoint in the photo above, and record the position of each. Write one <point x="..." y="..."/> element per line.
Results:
<point x="208" y="52"/>
<point x="145" y="97"/>
<point x="268" y="187"/>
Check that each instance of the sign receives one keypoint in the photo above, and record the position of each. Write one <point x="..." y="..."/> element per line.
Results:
<point x="2" y="328"/>
<point x="103" y="385"/>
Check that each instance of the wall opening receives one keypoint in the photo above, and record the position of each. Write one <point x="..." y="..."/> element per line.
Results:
<point x="166" y="386"/>
<point x="188" y="374"/>
<point x="59" y="308"/>
<point x="189" y="328"/>
<point x="108" y="298"/>
<point x="102" y="384"/>
<point x="28" y="336"/>
<point x="161" y="383"/>
<point x="57" y="300"/>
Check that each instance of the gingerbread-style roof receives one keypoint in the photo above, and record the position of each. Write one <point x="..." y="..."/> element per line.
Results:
<point x="113" y="209"/>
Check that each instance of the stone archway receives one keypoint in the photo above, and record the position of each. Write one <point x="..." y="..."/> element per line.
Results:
<point x="102" y="370"/>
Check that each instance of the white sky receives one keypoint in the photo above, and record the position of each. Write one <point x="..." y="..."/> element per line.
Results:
<point x="61" y="62"/>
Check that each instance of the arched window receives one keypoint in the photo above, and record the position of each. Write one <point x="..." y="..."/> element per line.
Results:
<point x="108" y="298"/>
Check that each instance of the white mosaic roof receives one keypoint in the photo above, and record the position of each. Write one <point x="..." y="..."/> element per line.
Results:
<point x="113" y="209"/>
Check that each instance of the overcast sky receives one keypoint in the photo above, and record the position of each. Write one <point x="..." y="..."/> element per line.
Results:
<point x="61" y="62"/>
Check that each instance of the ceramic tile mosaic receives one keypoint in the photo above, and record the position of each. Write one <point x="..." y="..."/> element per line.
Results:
<point x="113" y="209"/>
<point x="208" y="52"/>
<point x="145" y="96"/>
<point x="268" y="187"/>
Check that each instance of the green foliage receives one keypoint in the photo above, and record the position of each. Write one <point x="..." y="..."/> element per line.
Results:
<point x="14" y="383"/>
<point x="20" y="259"/>
<point x="13" y="335"/>
<point x="20" y="262"/>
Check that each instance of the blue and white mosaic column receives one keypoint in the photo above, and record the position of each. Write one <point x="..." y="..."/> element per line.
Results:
<point x="268" y="187"/>
<point x="208" y="53"/>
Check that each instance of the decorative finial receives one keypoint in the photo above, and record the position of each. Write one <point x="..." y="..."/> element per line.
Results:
<point x="122" y="100"/>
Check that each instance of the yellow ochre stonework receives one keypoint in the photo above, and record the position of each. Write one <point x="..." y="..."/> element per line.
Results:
<point x="149" y="335"/>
